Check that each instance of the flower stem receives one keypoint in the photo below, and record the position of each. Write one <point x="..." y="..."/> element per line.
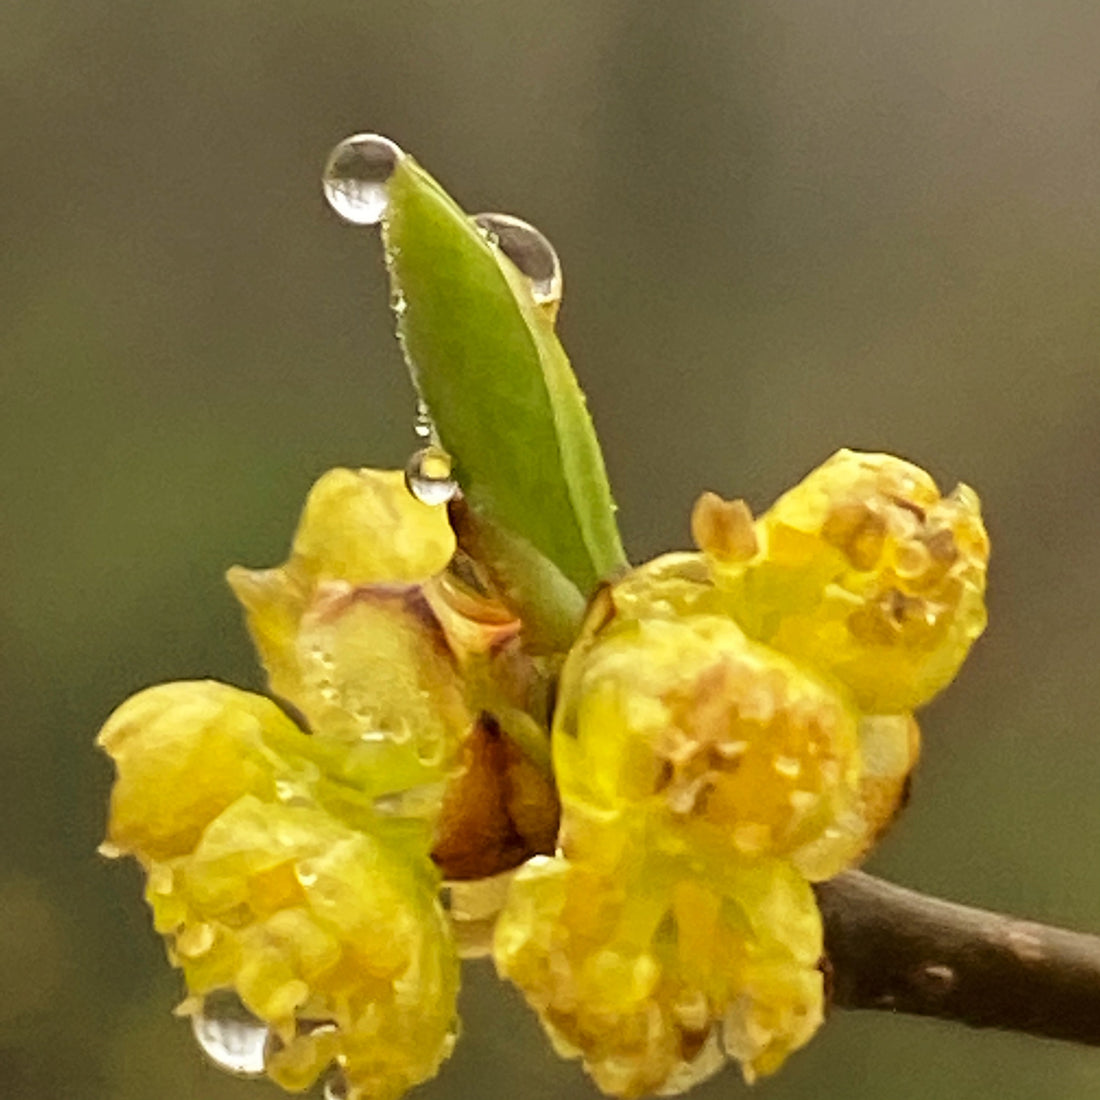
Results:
<point x="896" y="950"/>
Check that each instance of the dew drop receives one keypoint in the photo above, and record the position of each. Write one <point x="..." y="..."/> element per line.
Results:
<point x="529" y="250"/>
<point x="428" y="476"/>
<point x="229" y="1035"/>
<point x="790" y="767"/>
<point x="161" y="879"/>
<point x="196" y="940"/>
<point x="336" y="1086"/>
<point x="422" y="801"/>
<point x="356" y="175"/>
<point x="423" y="423"/>
<point x="430" y="751"/>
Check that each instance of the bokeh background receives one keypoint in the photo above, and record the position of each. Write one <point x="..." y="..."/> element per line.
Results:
<point x="786" y="226"/>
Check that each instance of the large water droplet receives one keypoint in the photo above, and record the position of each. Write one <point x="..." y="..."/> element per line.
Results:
<point x="356" y="175"/>
<point x="529" y="250"/>
<point x="229" y="1035"/>
<point x="428" y="476"/>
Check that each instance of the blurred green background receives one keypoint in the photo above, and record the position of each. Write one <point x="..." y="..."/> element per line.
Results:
<point x="786" y="227"/>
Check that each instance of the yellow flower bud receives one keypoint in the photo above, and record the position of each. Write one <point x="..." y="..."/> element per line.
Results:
<point x="273" y="871"/>
<point x="328" y="935"/>
<point x="726" y="745"/>
<point x="653" y="975"/>
<point x="365" y="527"/>
<point x="867" y="573"/>
<point x="348" y="634"/>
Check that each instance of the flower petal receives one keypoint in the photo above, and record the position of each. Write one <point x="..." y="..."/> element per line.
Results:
<point x="364" y="526"/>
<point x="184" y="752"/>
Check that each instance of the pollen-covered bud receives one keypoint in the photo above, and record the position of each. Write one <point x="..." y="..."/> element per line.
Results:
<point x="328" y="935"/>
<point x="728" y="747"/>
<point x="867" y="573"/>
<point x="272" y="871"/>
<point x="654" y="976"/>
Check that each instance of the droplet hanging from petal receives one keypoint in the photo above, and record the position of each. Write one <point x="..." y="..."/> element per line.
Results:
<point x="229" y="1035"/>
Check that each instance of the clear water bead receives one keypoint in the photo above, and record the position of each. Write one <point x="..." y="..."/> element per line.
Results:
<point x="356" y="175"/>
<point x="336" y="1086"/>
<point x="428" y="476"/>
<point x="423" y="423"/>
<point x="229" y="1035"/>
<point x="529" y="250"/>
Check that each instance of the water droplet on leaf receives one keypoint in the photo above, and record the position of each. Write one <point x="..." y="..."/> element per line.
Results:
<point x="356" y="175"/>
<point x="428" y="476"/>
<point x="423" y="423"/>
<point x="229" y="1035"/>
<point x="529" y="250"/>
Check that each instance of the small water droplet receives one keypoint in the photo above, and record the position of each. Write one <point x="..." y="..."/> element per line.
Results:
<point x="323" y="658"/>
<point x="110" y="850"/>
<point x="336" y="1086"/>
<point x="802" y="801"/>
<point x="788" y="766"/>
<point x="428" y="476"/>
<point x="356" y="175"/>
<point x="450" y="1040"/>
<point x="161" y="879"/>
<point x="423" y="423"/>
<point x="431" y="750"/>
<point x="229" y="1035"/>
<point x="529" y="250"/>
<point x="419" y="802"/>
<point x="306" y="873"/>
<point x="196" y="940"/>
<point x="292" y="791"/>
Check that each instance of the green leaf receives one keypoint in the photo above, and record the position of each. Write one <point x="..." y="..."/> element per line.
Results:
<point x="499" y="388"/>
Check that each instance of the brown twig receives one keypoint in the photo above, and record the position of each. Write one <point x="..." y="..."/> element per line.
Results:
<point x="896" y="950"/>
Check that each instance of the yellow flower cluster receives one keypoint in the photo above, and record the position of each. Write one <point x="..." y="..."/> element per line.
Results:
<point x="293" y="865"/>
<point x="733" y="725"/>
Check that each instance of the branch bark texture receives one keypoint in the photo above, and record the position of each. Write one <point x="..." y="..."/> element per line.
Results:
<point x="896" y="950"/>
